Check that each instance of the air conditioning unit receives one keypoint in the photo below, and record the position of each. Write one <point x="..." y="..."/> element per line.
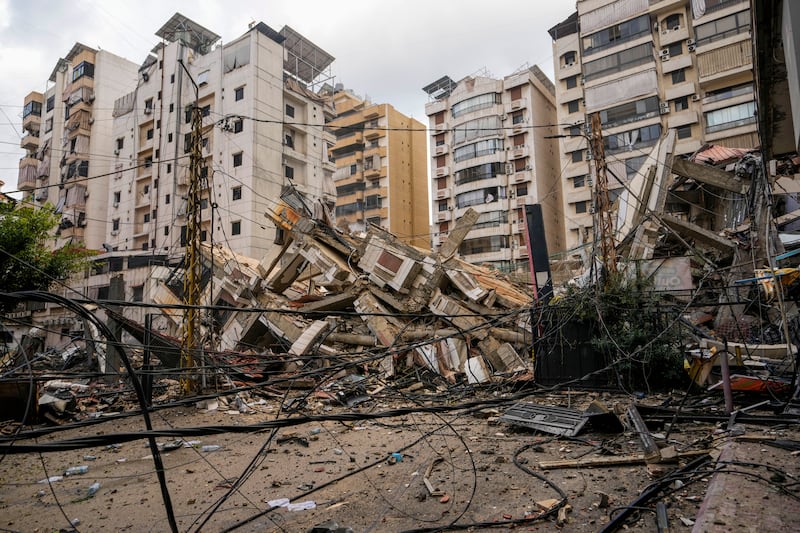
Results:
<point x="665" y="31"/>
<point x="504" y="117"/>
<point x="509" y="168"/>
<point x="114" y="232"/>
<point x="691" y="47"/>
<point x="91" y="120"/>
<point x="696" y="98"/>
<point x="664" y="54"/>
<point x="116" y="204"/>
<point x="116" y="151"/>
<point x="663" y="108"/>
<point x="91" y="98"/>
<point x="676" y="28"/>
<point x="690" y="42"/>
<point x="591" y="209"/>
<point x="571" y="64"/>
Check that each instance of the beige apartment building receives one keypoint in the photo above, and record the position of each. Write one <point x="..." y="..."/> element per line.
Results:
<point x="381" y="169"/>
<point x="263" y="135"/>
<point x="492" y="149"/>
<point x="647" y="66"/>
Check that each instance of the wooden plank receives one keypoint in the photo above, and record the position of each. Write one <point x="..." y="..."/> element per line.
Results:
<point x="614" y="460"/>
<point x="709" y="175"/>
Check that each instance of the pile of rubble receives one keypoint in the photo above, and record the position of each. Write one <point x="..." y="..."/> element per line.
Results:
<point x="326" y="299"/>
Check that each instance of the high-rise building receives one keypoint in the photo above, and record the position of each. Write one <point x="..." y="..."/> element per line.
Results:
<point x="492" y="149"/>
<point x="381" y="169"/>
<point x="69" y="144"/>
<point x="645" y="66"/>
<point x="262" y="135"/>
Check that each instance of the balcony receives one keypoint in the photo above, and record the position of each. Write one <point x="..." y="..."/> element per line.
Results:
<point x="373" y="112"/>
<point x="443" y="216"/>
<point x="30" y="142"/>
<point x="441" y="194"/>
<point x="372" y="134"/>
<point x="26" y="179"/>
<point x="724" y="61"/>
<point x="520" y="176"/>
<point x="31" y="122"/>
<point x="373" y="173"/>
<point x="352" y="141"/>
<point x="516" y="105"/>
<point x="519" y="127"/>
<point x="662" y="6"/>
<point x="673" y="35"/>
<point x="518" y="152"/>
<point x="441" y="172"/>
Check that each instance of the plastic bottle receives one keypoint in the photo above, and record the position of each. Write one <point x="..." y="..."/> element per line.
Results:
<point x="75" y="470"/>
<point x="210" y="448"/>
<point x="93" y="488"/>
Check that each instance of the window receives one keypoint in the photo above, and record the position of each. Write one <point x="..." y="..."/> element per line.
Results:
<point x="632" y="139"/>
<point x="571" y="82"/>
<point x="146" y="218"/>
<point x="203" y="235"/>
<point x="146" y="189"/>
<point x="482" y="101"/>
<point x="148" y="161"/>
<point x="238" y="125"/>
<point x="166" y="231"/>
<point x="672" y="22"/>
<point x="148" y="105"/>
<point x="169" y="168"/>
<point x="480" y="196"/>
<point x="237" y="159"/>
<point x="33" y="108"/>
<point x="171" y="108"/>
<point x="730" y="117"/>
<point x="150" y="133"/>
<point x="167" y="199"/>
<point x="442" y="206"/>
<point x="722" y="28"/>
<point x="574" y="106"/>
<point x="236" y="227"/>
<point x="478" y="149"/>
<point x="205" y="111"/>
<point x="616" y="34"/>
<point x="203" y="203"/>
<point x="48" y="125"/>
<point x="581" y="207"/>
<point x="518" y="117"/>
<point x="238" y="93"/>
<point x="289" y="110"/>
<point x="577" y="156"/>
<point x="619" y="61"/>
<point x="236" y="193"/>
<point x="353" y="169"/>
<point x="480" y="172"/>
<point x="288" y="140"/>
<point x="728" y="92"/>
<point x="634" y="164"/>
<point x="681" y="104"/>
<point x="568" y="58"/>
<point x="288" y="171"/>
<point x="172" y="80"/>
<point x="675" y="49"/>
<point x="630" y="112"/>
<point x="51" y="103"/>
<point x="679" y="76"/>
<point x="138" y="293"/>
<point x="578" y="182"/>
<point x="120" y="142"/>
<point x="117" y="197"/>
<point x="684" y="132"/>
<point x="169" y="137"/>
<point x="482" y="245"/>
<point x="158" y="124"/>
<point x="115" y="225"/>
<point x="84" y="68"/>
<point x="202" y="78"/>
<point x="482" y="127"/>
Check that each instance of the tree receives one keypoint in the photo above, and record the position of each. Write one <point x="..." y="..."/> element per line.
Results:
<point x="26" y="263"/>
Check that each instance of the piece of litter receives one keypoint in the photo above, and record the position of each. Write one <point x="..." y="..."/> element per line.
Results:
<point x="301" y="506"/>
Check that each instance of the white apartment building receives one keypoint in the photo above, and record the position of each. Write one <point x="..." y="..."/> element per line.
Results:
<point x="492" y="150"/>
<point x="646" y="66"/>
<point x="68" y="141"/>
<point x="262" y="133"/>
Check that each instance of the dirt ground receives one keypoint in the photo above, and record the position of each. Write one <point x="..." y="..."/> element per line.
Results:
<point x="349" y="473"/>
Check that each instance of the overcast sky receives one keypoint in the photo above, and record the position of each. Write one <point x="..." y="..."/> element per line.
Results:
<point x="384" y="49"/>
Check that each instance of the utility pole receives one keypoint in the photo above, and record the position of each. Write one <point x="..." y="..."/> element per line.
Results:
<point x="192" y="267"/>
<point x="601" y="204"/>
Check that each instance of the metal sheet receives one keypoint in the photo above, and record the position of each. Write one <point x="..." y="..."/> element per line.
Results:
<point x="555" y="420"/>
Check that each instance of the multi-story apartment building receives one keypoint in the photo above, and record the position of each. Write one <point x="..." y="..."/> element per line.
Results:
<point x="381" y="169"/>
<point x="492" y="149"/>
<point x="263" y="132"/>
<point x="645" y="66"/>
<point x="69" y="144"/>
